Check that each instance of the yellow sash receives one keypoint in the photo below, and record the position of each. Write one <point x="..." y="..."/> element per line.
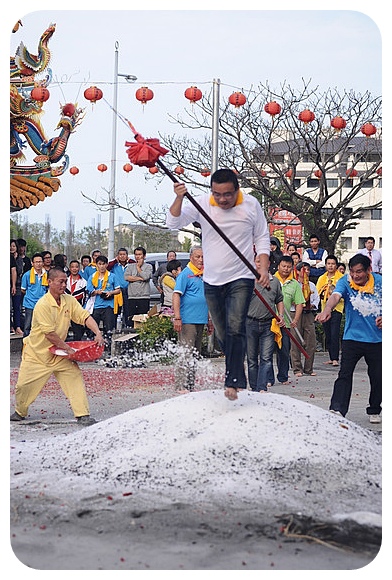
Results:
<point x="368" y="288"/>
<point x="195" y="269"/>
<point x="289" y="277"/>
<point x="44" y="278"/>
<point x="240" y="199"/>
<point x="95" y="279"/>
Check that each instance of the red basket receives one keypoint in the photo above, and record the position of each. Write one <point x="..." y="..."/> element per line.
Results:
<point x="85" y="350"/>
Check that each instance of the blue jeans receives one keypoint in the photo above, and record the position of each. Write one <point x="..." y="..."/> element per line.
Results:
<point x="352" y="352"/>
<point x="260" y="351"/>
<point x="27" y="321"/>
<point x="283" y="361"/>
<point x="228" y="305"/>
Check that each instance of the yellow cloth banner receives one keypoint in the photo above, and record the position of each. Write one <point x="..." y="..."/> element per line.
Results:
<point x="275" y="328"/>
<point x="118" y="301"/>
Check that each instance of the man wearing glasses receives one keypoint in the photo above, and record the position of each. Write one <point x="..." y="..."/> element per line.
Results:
<point x="33" y="286"/>
<point x="228" y="282"/>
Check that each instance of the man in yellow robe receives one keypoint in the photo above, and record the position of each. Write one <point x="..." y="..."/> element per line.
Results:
<point x="52" y="316"/>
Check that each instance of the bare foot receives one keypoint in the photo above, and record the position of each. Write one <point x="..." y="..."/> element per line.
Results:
<point x="231" y="393"/>
<point x="335" y="363"/>
<point x="298" y="374"/>
<point x="328" y="362"/>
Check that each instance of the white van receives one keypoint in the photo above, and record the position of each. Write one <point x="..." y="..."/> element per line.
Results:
<point x="156" y="260"/>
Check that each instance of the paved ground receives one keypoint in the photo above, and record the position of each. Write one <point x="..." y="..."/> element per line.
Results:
<point x="316" y="390"/>
<point x="182" y="536"/>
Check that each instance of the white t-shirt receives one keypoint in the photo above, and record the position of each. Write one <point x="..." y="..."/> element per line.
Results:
<point x="244" y="224"/>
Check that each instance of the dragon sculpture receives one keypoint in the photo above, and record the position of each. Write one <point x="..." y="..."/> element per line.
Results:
<point x="33" y="183"/>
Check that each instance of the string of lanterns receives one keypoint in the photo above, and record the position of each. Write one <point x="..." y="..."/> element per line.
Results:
<point x="194" y="94"/>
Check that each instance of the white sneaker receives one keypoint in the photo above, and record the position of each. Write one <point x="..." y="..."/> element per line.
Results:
<point x="374" y="418"/>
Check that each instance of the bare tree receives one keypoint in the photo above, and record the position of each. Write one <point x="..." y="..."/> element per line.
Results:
<point x="270" y="152"/>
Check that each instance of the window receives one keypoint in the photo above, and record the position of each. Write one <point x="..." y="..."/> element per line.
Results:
<point x="376" y="214"/>
<point x="346" y="243"/>
<point x="368" y="183"/>
<point x="313" y="183"/>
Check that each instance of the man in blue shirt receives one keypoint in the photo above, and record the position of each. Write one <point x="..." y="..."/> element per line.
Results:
<point x="103" y="286"/>
<point x="118" y="266"/>
<point x="190" y="316"/>
<point x="361" y="291"/>
<point x="34" y="285"/>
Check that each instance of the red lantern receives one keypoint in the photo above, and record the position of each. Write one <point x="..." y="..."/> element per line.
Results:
<point x="93" y="94"/>
<point x="338" y="123"/>
<point x="306" y="116"/>
<point x="179" y="170"/>
<point x="318" y="173"/>
<point x="351" y="173"/>
<point x="205" y="172"/>
<point x="68" y="109"/>
<point x="40" y="94"/>
<point x="193" y="94"/>
<point x="74" y="170"/>
<point x="368" y="129"/>
<point x="144" y="94"/>
<point x="379" y="171"/>
<point x="289" y="174"/>
<point x="102" y="167"/>
<point x="273" y="108"/>
<point x="127" y="167"/>
<point x="153" y="169"/>
<point x="237" y="99"/>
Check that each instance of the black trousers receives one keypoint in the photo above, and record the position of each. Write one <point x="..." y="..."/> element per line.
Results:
<point x="352" y="352"/>
<point x="137" y="306"/>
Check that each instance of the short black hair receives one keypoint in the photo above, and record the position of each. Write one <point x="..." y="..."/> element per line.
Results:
<point x="173" y="265"/>
<point x="225" y="176"/>
<point x="331" y="257"/>
<point x="286" y="259"/>
<point x="359" y="259"/>
<point x="102" y="259"/>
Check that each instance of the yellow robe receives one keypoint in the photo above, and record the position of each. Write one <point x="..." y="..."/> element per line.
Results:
<point x="38" y="364"/>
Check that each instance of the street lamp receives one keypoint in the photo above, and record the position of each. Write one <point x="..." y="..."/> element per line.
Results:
<point x="112" y="192"/>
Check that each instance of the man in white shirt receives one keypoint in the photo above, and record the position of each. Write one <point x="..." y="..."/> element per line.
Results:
<point x="228" y="282"/>
<point x="374" y="255"/>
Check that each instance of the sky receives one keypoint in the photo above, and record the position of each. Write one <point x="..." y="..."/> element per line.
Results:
<point x="168" y="51"/>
